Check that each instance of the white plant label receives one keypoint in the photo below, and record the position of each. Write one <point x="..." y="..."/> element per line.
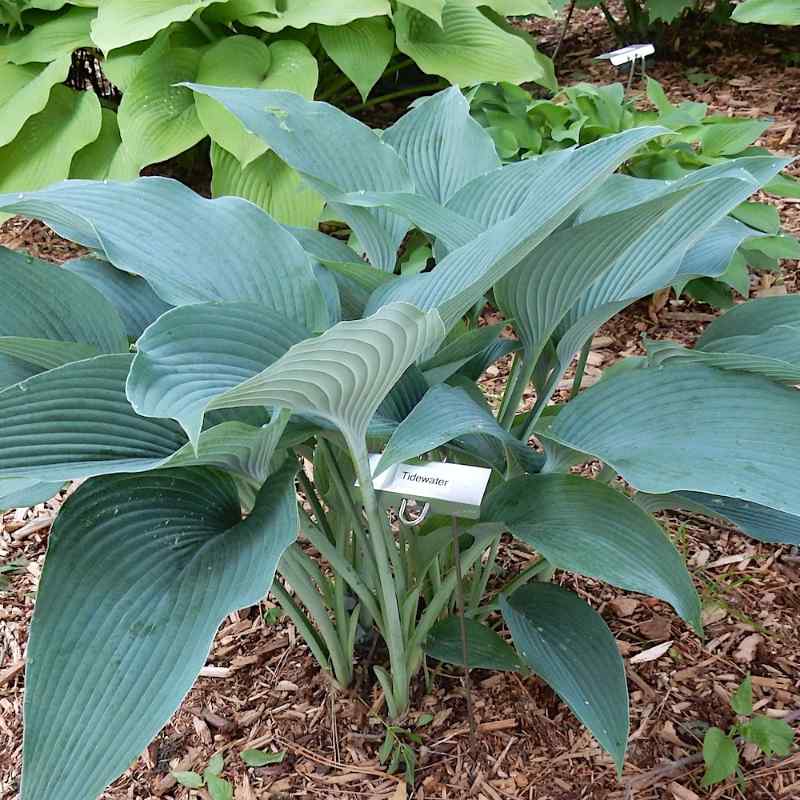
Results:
<point x="627" y="54"/>
<point x="455" y="489"/>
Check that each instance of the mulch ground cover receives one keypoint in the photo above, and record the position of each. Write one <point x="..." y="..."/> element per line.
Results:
<point x="262" y="689"/>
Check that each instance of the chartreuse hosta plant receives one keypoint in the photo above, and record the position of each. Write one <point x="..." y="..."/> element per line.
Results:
<point x="336" y="50"/>
<point x="202" y="353"/>
<point x="523" y="126"/>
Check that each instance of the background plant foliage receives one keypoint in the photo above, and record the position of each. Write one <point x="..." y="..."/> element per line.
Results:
<point x="523" y="127"/>
<point x="245" y="366"/>
<point x="49" y="131"/>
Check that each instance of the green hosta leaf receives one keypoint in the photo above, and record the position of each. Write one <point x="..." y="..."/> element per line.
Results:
<point x="442" y="145"/>
<point x="225" y="263"/>
<point x="761" y="216"/>
<point x="24" y="91"/>
<point x="667" y="10"/>
<point x="197" y="352"/>
<point x="106" y="158"/>
<point x="587" y="527"/>
<point x="568" y="645"/>
<point x="52" y="38"/>
<point x="742" y="698"/>
<point x="773" y="736"/>
<point x="760" y="522"/>
<point x="157" y="118"/>
<point x="300" y="13"/>
<point x="445" y="413"/>
<point x="75" y="421"/>
<point x="308" y="136"/>
<point x="140" y="571"/>
<point x="361" y="49"/>
<point x="269" y="183"/>
<point x="343" y="375"/>
<point x="120" y="22"/>
<point x="136" y="303"/>
<point x="720" y="755"/>
<point x="783" y="186"/>
<point x="66" y="310"/>
<point x="219" y="788"/>
<point x="247" y="62"/>
<point x="261" y="758"/>
<point x="189" y="779"/>
<point x="121" y="65"/>
<point x="768" y="12"/>
<point x="43" y="151"/>
<point x="691" y="428"/>
<point x="430" y="8"/>
<point x="543" y="203"/>
<point x="25" y="492"/>
<point x="467" y="48"/>
<point x="485" y="648"/>
<point x="728" y="136"/>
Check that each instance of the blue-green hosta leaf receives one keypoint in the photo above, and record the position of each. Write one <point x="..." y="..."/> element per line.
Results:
<point x="140" y="571"/>
<point x="45" y="353"/>
<point x="760" y="522"/>
<point x="75" y="421"/>
<point x="12" y="371"/>
<point x="192" y="354"/>
<point x="443" y="146"/>
<point x="445" y="413"/>
<point x="245" y="61"/>
<point x="51" y="39"/>
<point x="456" y="353"/>
<point x="361" y="49"/>
<point x="334" y="152"/>
<point x="343" y="375"/>
<point x="568" y="645"/>
<point x="133" y="298"/>
<point x="485" y="648"/>
<point x="195" y="249"/>
<point x="691" y="428"/>
<point x="463" y="276"/>
<point x="121" y="22"/>
<point x="25" y="492"/>
<point x="587" y="527"/>
<point x="539" y="291"/>
<point x="711" y="255"/>
<point x="157" y="117"/>
<point x="66" y="309"/>
<point x="774" y="354"/>
<point x="235" y="447"/>
<point x="753" y="318"/>
<point x="768" y="12"/>
<point x="269" y="183"/>
<point x="24" y="91"/>
<point x="43" y="151"/>
<point x="467" y="48"/>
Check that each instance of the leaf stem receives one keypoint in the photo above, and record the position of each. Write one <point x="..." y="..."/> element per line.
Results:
<point x="393" y="627"/>
<point x="396" y="95"/>
<point x="580" y="369"/>
<point x="463" y="628"/>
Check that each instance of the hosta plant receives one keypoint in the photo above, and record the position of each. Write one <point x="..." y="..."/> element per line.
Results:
<point x="334" y="50"/>
<point x="204" y="364"/>
<point x="522" y="126"/>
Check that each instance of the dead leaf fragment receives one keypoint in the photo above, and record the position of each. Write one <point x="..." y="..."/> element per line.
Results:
<point x="746" y="651"/>
<point x="652" y="653"/>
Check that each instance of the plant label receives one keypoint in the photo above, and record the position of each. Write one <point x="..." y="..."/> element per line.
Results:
<point x="627" y="54"/>
<point x="455" y="489"/>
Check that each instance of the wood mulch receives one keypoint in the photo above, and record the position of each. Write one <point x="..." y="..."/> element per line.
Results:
<point x="262" y="689"/>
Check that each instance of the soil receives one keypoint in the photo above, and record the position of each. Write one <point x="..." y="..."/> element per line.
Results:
<point x="262" y="689"/>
